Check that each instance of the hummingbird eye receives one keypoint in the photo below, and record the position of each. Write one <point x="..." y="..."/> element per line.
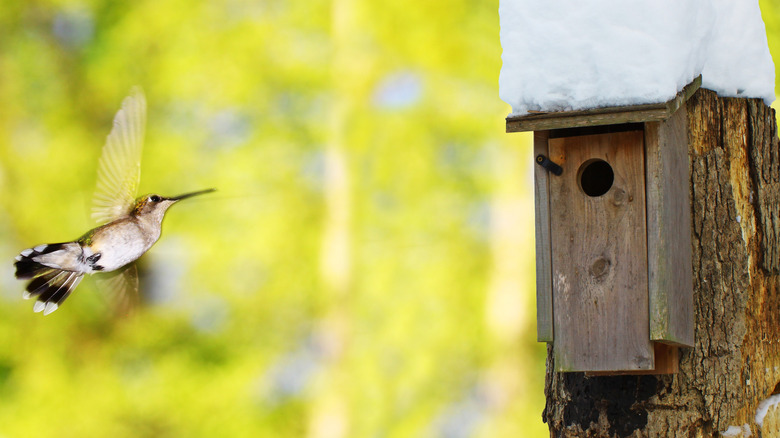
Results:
<point x="155" y="198"/>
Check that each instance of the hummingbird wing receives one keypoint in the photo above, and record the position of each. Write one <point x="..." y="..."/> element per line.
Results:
<point x="119" y="169"/>
<point x="122" y="288"/>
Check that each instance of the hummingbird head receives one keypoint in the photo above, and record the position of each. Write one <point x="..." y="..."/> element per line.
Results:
<point x="154" y="206"/>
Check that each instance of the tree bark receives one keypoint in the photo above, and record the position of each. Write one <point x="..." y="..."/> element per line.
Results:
<point x="734" y="365"/>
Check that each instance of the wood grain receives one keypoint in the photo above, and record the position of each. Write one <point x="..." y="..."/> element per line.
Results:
<point x="599" y="257"/>
<point x="670" y="281"/>
<point x="544" y="297"/>
<point x="667" y="361"/>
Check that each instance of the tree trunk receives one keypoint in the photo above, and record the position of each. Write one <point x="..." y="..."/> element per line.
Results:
<point x="735" y="363"/>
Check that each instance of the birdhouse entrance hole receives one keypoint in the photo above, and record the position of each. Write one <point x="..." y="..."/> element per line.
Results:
<point x="595" y="177"/>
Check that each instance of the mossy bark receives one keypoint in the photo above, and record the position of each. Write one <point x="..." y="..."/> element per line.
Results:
<point x="735" y="363"/>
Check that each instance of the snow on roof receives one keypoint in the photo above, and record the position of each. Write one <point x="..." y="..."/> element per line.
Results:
<point x="571" y="54"/>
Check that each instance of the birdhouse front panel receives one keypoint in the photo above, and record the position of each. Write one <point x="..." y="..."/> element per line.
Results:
<point x="599" y="253"/>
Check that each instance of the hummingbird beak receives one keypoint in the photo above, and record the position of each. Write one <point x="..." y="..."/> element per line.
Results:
<point x="189" y="195"/>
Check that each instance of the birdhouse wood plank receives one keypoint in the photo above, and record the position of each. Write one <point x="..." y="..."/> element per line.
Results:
<point x="599" y="253"/>
<point x="613" y="236"/>
<point x="669" y="230"/>
<point x="544" y="303"/>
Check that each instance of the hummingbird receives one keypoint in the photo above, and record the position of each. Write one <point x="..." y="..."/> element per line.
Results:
<point x="127" y="226"/>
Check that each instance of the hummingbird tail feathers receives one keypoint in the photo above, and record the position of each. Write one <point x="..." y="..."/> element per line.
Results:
<point x="50" y="285"/>
<point x="28" y="263"/>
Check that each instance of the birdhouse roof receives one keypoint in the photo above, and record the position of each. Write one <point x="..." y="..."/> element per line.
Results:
<point x="652" y="112"/>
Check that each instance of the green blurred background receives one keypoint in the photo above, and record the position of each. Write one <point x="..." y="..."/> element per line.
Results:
<point x="366" y="267"/>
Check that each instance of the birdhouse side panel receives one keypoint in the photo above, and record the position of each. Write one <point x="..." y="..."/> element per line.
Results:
<point x="670" y="270"/>
<point x="544" y="298"/>
<point x="599" y="253"/>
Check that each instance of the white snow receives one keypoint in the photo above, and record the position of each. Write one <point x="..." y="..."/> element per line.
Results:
<point x="572" y="54"/>
<point x="743" y="431"/>
<point x="764" y="406"/>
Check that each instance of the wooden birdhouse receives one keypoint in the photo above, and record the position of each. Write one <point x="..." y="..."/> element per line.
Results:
<point x="613" y="235"/>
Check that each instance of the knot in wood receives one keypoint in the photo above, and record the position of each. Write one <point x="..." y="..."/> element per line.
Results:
<point x="618" y="197"/>
<point x="600" y="268"/>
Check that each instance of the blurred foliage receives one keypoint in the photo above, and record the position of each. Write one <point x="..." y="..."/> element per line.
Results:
<point x="365" y="268"/>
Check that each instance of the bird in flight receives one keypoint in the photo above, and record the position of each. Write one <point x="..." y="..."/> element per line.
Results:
<point x="127" y="226"/>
